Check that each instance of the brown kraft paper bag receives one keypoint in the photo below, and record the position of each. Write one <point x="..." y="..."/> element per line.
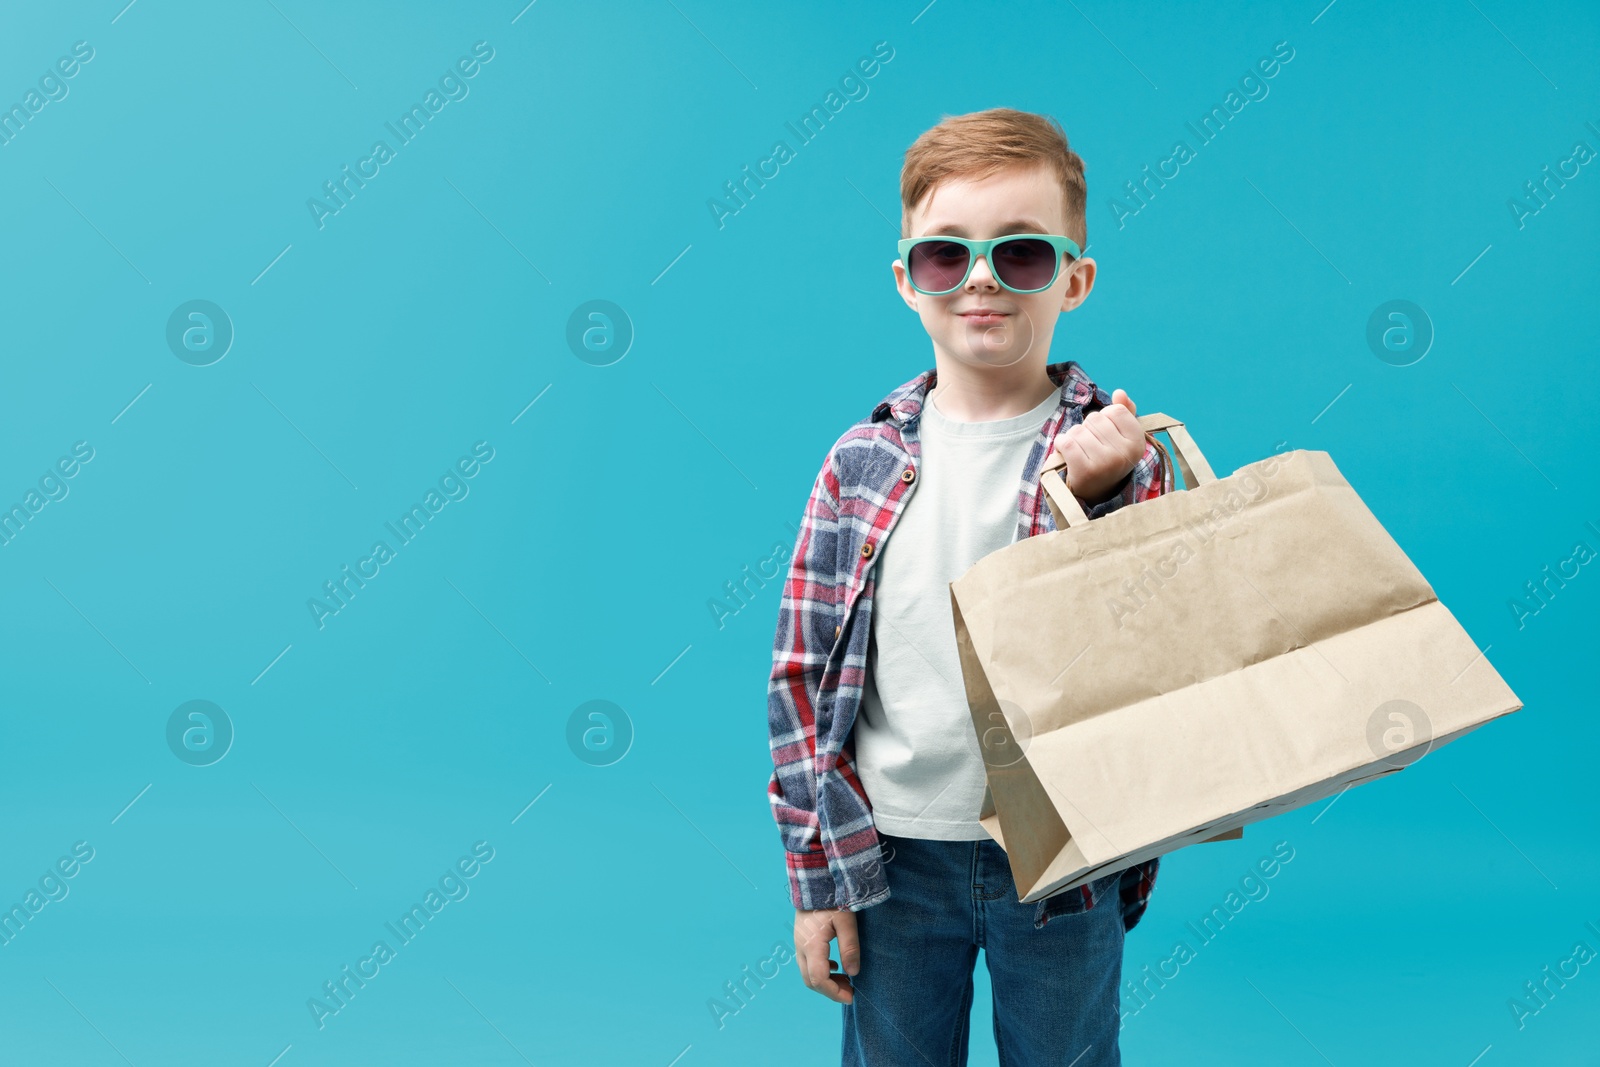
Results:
<point x="1198" y="661"/>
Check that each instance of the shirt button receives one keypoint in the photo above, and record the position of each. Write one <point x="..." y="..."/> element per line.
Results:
<point x="836" y="630"/>
<point x="908" y="474"/>
<point x="866" y="550"/>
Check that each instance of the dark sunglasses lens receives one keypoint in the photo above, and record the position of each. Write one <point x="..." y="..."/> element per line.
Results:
<point x="938" y="266"/>
<point x="1027" y="263"/>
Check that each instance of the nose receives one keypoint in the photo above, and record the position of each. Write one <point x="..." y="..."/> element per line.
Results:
<point x="981" y="276"/>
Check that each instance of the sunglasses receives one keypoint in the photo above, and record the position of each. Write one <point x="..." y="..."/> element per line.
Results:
<point x="1020" y="262"/>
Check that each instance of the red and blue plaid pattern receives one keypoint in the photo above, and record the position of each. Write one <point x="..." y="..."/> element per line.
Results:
<point x="819" y="655"/>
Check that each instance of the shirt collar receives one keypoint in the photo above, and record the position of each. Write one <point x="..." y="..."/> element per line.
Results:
<point x="906" y="400"/>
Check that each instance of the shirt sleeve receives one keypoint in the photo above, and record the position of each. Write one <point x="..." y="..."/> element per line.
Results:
<point x="1135" y="887"/>
<point x="807" y="615"/>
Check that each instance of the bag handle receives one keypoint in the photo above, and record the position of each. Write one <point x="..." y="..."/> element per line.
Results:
<point x="1196" y="471"/>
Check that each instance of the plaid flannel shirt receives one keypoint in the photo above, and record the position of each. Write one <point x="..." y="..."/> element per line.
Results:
<point x="819" y="656"/>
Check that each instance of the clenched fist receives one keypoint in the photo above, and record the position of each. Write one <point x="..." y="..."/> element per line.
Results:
<point x="1102" y="449"/>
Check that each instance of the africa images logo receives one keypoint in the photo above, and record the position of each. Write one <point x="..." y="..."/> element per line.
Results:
<point x="453" y="486"/>
<point x="452" y="87"/>
<point x="452" y="886"/>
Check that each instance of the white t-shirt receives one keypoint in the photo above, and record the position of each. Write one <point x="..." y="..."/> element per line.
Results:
<point x="917" y="753"/>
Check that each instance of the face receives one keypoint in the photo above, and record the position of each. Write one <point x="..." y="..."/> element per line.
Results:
<point x="983" y="324"/>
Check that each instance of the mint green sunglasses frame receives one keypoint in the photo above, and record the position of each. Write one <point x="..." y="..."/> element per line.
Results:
<point x="982" y="248"/>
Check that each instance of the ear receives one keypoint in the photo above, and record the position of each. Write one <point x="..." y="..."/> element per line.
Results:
<point x="1079" y="284"/>
<point x="902" y="282"/>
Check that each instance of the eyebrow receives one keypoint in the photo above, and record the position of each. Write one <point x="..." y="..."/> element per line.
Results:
<point x="1014" y="226"/>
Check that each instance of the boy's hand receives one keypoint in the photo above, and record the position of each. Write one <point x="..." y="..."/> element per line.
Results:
<point x="1103" y="448"/>
<point x="812" y="932"/>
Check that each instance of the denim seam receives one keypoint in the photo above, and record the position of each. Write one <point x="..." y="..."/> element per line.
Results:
<point x="976" y="904"/>
<point x="962" y="1019"/>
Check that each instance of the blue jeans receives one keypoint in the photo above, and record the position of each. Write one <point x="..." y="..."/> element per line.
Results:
<point x="1055" y="986"/>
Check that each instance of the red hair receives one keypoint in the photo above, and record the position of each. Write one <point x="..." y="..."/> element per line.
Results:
<point x="981" y="143"/>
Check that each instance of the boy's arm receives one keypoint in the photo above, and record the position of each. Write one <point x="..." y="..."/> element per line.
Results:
<point x="807" y="615"/>
<point x="1151" y="476"/>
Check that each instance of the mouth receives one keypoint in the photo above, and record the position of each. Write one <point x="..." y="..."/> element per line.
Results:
<point x="984" y="316"/>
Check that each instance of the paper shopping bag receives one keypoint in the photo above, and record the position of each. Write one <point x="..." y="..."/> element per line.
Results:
<point x="1201" y="660"/>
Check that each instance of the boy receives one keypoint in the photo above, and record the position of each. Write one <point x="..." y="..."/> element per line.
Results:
<point x="866" y="696"/>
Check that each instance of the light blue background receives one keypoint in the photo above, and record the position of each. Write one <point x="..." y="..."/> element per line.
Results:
<point x="431" y="311"/>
